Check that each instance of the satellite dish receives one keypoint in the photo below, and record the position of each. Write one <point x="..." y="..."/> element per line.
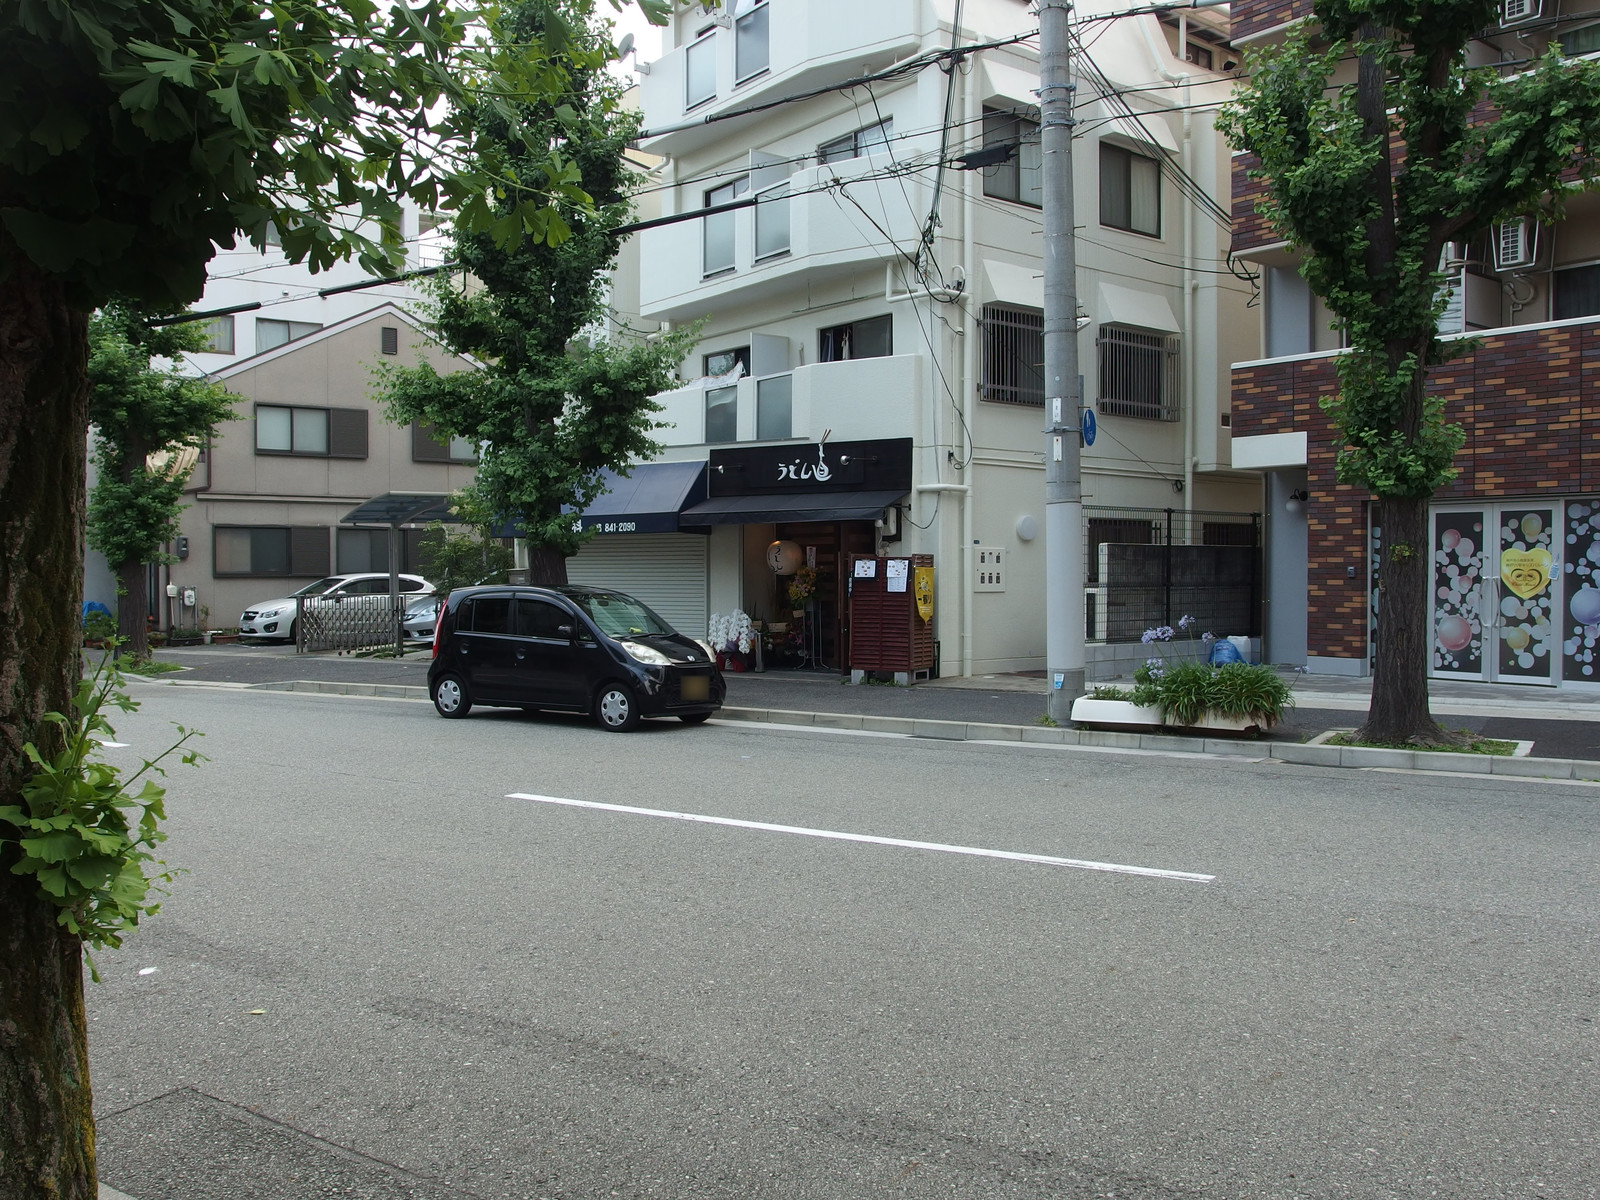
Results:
<point x="625" y="46"/>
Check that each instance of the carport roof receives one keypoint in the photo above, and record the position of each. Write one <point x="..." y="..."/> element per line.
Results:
<point x="401" y="508"/>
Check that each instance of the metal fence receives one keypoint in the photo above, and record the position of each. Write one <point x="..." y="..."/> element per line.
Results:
<point x="349" y="622"/>
<point x="1150" y="567"/>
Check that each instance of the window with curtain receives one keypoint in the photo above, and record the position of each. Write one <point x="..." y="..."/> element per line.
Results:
<point x="871" y="338"/>
<point x="1130" y="191"/>
<point x="872" y="140"/>
<point x="774" y="407"/>
<point x="700" y="72"/>
<point x="1019" y="178"/>
<point x="1575" y="292"/>
<point x="718" y="228"/>
<point x="751" y="49"/>
<point x="722" y="414"/>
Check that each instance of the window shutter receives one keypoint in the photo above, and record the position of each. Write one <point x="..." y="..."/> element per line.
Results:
<point x="426" y="446"/>
<point x="347" y="433"/>
<point x="309" y="552"/>
<point x="390" y="343"/>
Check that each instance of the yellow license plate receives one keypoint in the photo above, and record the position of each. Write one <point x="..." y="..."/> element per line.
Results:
<point x="695" y="687"/>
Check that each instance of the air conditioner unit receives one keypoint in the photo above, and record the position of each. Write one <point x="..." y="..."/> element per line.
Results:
<point x="1516" y="244"/>
<point x="1456" y="255"/>
<point x="1515" y="12"/>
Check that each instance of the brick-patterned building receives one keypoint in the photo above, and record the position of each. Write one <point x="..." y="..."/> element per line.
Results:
<point x="1515" y="539"/>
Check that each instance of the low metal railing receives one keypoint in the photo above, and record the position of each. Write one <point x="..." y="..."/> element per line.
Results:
<point x="349" y="622"/>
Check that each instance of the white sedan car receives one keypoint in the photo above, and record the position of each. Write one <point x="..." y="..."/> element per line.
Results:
<point x="422" y="614"/>
<point x="275" y="618"/>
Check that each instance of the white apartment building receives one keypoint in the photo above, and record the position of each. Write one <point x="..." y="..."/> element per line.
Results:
<point x="869" y="374"/>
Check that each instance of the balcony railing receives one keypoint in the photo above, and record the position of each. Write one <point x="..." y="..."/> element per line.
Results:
<point x="792" y="43"/>
<point x="860" y="399"/>
<point x="797" y="224"/>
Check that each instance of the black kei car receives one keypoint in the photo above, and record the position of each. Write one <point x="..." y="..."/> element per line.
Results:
<point x="569" y="649"/>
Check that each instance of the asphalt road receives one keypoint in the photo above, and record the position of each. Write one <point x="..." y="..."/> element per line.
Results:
<point x="386" y="975"/>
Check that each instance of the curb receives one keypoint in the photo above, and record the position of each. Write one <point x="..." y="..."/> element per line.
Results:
<point x="1297" y="753"/>
<point x="1352" y="757"/>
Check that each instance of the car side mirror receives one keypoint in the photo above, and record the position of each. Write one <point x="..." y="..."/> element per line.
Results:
<point x="570" y="632"/>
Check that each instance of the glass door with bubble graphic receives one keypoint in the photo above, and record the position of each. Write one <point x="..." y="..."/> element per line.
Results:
<point x="1580" y="630"/>
<point x="1496" y="573"/>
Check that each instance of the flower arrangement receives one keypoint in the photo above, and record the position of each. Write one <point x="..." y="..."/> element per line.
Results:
<point x="802" y="586"/>
<point x="731" y="634"/>
<point x="1186" y="691"/>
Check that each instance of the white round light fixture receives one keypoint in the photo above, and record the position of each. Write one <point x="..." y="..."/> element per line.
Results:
<point x="783" y="558"/>
<point x="1027" y="528"/>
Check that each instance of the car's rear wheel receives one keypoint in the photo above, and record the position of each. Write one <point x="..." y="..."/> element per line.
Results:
<point x="616" y="708"/>
<point x="450" y="697"/>
<point x="694" y="718"/>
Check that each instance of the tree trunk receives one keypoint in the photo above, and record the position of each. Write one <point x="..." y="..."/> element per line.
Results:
<point x="46" y="1113"/>
<point x="133" y="608"/>
<point x="547" y="567"/>
<point x="1399" y="711"/>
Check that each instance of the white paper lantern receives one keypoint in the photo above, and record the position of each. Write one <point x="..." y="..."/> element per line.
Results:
<point x="783" y="558"/>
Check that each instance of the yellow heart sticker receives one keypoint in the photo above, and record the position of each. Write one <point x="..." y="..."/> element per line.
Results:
<point x="1526" y="572"/>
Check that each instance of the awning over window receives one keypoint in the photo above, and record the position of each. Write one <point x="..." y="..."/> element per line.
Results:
<point x="647" y="500"/>
<point x="1140" y="310"/>
<point x="790" y="506"/>
<point x="1009" y="283"/>
<point x="401" y="508"/>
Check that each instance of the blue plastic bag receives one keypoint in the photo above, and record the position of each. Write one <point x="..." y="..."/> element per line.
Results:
<point x="1224" y="651"/>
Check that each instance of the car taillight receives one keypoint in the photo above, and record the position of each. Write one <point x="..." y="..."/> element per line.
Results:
<point x="437" y="621"/>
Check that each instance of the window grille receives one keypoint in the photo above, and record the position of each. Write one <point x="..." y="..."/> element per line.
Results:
<point x="1138" y="374"/>
<point x="1013" y="355"/>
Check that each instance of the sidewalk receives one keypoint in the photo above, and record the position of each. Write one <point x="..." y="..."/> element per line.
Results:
<point x="1561" y="725"/>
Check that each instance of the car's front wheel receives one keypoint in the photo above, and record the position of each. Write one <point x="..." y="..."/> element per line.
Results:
<point x="616" y="708"/>
<point x="450" y="697"/>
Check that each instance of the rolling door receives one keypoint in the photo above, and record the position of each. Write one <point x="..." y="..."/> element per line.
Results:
<point x="665" y="570"/>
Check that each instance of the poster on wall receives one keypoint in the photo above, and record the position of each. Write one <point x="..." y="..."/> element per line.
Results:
<point x="896" y="574"/>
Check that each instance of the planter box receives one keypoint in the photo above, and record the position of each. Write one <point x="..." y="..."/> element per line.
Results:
<point x="221" y="638"/>
<point x="1122" y="713"/>
<point x="1114" y="712"/>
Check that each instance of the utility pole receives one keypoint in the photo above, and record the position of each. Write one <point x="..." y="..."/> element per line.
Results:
<point x="1063" y="478"/>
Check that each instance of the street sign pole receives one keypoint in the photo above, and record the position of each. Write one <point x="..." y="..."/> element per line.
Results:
<point x="1064" y="425"/>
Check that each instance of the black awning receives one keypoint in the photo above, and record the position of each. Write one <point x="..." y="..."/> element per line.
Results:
<point x="790" y="506"/>
<point x="646" y="500"/>
<point x="401" y="508"/>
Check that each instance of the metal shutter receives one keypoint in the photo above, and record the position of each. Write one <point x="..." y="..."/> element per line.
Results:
<point x="347" y="433"/>
<point x="665" y="570"/>
<point x="309" y="550"/>
<point x="425" y="444"/>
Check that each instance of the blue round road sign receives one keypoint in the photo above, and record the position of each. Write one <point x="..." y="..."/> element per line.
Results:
<point x="1088" y="426"/>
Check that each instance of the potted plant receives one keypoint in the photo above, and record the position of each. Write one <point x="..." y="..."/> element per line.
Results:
<point x="732" y="638"/>
<point x="217" y="636"/>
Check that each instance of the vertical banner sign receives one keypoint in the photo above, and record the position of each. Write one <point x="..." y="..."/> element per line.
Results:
<point x="924" y="588"/>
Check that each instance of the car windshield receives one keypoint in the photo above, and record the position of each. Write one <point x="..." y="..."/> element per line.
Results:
<point x="320" y="586"/>
<point x="618" y="615"/>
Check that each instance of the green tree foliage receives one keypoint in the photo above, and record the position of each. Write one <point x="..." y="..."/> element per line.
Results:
<point x="551" y="406"/>
<point x="145" y="418"/>
<point x="1378" y="145"/>
<point x="465" y="552"/>
<point x="135" y="139"/>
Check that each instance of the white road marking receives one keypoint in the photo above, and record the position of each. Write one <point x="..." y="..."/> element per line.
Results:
<point x="1043" y="859"/>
